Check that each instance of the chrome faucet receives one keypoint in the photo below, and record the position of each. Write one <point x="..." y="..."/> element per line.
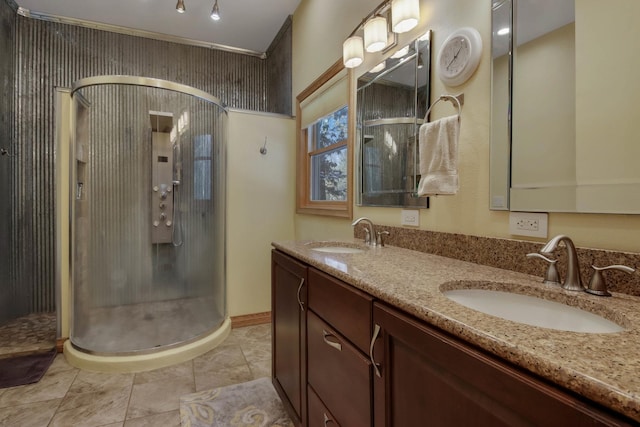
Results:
<point x="572" y="282"/>
<point x="370" y="237"/>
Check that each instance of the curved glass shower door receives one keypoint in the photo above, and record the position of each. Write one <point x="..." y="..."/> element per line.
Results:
<point x="148" y="235"/>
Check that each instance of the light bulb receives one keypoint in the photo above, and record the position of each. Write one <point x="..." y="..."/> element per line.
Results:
<point x="180" y="6"/>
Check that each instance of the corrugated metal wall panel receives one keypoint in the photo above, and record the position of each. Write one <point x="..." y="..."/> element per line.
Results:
<point x="10" y="306"/>
<point x="50" y="54"/>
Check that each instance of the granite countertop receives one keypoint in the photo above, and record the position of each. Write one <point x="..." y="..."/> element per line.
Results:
<point x="603" y="367"/>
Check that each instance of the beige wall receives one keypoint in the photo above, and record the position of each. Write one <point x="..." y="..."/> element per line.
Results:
<point x="260" y="205"/>
<point x="319" y="29"/>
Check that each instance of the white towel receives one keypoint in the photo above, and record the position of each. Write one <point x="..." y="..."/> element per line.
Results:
<point x="439" y="157"/>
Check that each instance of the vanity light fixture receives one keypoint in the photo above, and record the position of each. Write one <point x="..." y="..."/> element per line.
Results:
<point x="352" y="52"/>
<point x="215" y="12"/>
<point x="405" y="15"/>
<point x="180" y="6"/>
<point x="375" y="34"/>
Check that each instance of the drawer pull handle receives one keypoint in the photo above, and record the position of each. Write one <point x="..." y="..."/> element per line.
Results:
<point x="300" y="289"/>
<point x="376" y="366"/>
<point x="325" y="337"/>
<point x="327" y="420"/>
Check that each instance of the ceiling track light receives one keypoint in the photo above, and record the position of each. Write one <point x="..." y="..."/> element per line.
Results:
<point x="180" y="6"/>
<point x="404" y="16"/>
<point x="215" y="12"/>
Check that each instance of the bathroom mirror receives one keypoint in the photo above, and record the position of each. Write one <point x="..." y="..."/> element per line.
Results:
<point x="391" y="104"/>
<point x="563" y="128"/>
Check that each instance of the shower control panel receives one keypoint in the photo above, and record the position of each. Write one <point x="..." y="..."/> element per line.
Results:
<point x="162" y="188"/>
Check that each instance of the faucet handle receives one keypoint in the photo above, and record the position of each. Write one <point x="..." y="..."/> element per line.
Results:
<point x="597" y="285"/>
<point x="552" y="276"/>
<point x="380" y="238"/>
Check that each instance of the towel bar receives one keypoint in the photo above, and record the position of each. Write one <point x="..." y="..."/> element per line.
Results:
<point x="457" y="100"/>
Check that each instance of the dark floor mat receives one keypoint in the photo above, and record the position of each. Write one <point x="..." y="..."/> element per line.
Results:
<point x="22" y="370"/>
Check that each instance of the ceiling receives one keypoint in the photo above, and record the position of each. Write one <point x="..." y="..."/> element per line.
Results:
<point x="244" y="24"/>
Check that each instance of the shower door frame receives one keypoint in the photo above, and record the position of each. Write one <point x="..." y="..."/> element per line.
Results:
<point x="148" y="82"/>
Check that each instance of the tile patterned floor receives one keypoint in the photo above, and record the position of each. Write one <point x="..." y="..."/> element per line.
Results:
<point x="67" y="396"/>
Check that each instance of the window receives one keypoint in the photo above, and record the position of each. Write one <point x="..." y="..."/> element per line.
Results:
<point x="324" y="141"/>
<point x="327" y="147"/>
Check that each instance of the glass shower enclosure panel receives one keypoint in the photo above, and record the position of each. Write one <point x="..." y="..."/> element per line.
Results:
<point x="148" y="215"/>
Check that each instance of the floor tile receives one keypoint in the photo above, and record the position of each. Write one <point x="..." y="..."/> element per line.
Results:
<point x="212" y="378"/>
<point x="170" y="373"/>
<point x="260" y="369"/>
<point x="158" y="397"/>
<point x="53" y="385"/>
<point x="220" y="358"/>
<point x="30" y="415"/>
<point x="166" y="419"/>
<point x="91" y="409"/>
<point x="88" y="381"/>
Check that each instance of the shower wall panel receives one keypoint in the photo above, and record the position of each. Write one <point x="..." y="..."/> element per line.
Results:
<point x="49" y="55"/>
<point x="279" y="70"/>
<point x="13" y="298"/>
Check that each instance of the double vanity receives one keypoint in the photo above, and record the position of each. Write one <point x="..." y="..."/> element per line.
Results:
<point x="370" y="335"/>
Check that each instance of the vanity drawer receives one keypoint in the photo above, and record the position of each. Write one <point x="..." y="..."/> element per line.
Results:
<point x="318" y="414"/>
<point x="345" y="308"/>
<point x="339" y="373"/>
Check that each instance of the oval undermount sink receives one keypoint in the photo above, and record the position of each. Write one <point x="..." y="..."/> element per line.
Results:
<point x="338" y="249"/>
<point x="532" y="311"/>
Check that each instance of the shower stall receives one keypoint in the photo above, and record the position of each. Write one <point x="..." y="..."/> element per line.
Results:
<point x="147" y="203"/>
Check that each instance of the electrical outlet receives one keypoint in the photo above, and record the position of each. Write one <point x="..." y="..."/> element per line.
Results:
<point x="410" y="217"/>
<point x="528" y="224"/>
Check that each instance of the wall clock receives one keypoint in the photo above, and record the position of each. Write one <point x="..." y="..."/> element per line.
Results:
<point x="459" y="56"/>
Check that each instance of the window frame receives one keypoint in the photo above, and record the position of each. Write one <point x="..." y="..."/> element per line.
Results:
<point x="304" y="202"/>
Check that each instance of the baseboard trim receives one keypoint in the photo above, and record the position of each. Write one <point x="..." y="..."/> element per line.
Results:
<point x="250" y="319"/>
<point x="60" y="344"/>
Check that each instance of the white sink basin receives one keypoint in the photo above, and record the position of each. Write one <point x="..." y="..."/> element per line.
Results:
<point x="532" y="311"/>
<point x="338" y="249"/>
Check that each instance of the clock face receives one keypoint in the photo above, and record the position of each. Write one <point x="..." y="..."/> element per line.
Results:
<point x="455" y="56"/>
<point x="459" y="56"/>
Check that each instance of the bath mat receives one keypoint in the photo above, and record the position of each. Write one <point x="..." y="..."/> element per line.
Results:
<point x="251" y="404"/>
<point x="21" y="370"/>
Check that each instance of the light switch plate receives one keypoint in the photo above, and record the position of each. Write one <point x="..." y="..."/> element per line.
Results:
<point x="410" y="217"/>
<point x="532" y="224"/>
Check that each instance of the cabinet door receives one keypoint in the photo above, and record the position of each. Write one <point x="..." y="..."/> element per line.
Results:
<point x="288" y="302"/>
<point x="339" y="373"/>
<point x="430" y="378"/>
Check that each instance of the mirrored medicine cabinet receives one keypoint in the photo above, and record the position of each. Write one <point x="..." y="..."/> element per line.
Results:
<point x="391" y="105"/>
<point x="564" y="126"/>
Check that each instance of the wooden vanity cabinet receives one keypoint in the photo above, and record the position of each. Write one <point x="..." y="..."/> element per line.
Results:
<point x="338" y="334"/>
<point x="428" y="377"/>
<point x="289" y="302"/>
<point x="325" y="377"/>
